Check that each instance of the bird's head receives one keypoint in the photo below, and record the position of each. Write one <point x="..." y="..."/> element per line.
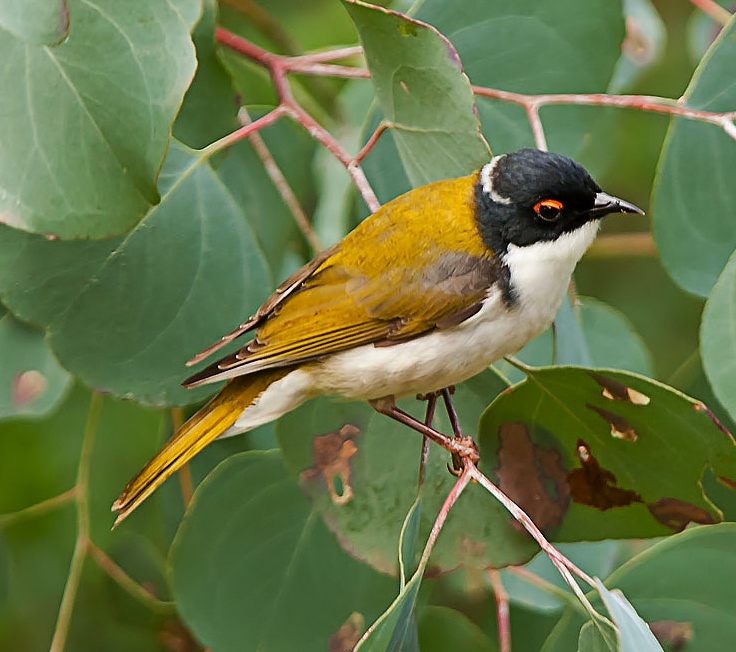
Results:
<point x="531" y="196"/>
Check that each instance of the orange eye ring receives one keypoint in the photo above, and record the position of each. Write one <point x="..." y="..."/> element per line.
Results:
<point x="548" y="209"/>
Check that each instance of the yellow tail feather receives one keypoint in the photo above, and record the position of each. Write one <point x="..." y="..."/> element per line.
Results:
<point x="200" y="430"/>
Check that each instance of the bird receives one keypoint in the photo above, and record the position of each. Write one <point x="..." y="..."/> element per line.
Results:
<point x="423" y="294"/>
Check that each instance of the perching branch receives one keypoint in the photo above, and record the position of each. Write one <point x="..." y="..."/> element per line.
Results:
<point x="279" y="67"/>
<point x="713" y="9"/>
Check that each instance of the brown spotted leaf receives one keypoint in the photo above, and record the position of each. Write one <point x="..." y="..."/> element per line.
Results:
<point x="338" y="449"/>
<point x="632" y="452"/>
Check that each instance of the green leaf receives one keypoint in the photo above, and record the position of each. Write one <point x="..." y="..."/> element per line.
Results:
<point x="408" y="542"/>
<point x="595" y="637"/>
<point x="38" y="22"/>
<point x="209" y="109"/>
<point x="360" y="470"/>
<point x="718" y="338"/>
<point x="693" y="192"/>
<point x="682" y="586"/>
<point x="633" y="633"/>
<point x="594" y="454"/>
<point x="31" y="381"/>
<point x="442" y="629"/>
<point x="273" y="224"/>
<point x="597" y="558"/>
<point x="571" y="347"/>
<point x="254" y="568"/>
<point x="88" y="120"/>
<point x="125" y="315"/>
<point x="396" y="628"/>
<point x="423" y="94"/>
<point x="533" y="46"/>
<point x="608" y="336"/>
<point x="646" y="37"/>
<point x="612" y="340"/>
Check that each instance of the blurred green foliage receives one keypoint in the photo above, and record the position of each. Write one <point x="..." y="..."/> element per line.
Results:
<point x="255" y="564"/>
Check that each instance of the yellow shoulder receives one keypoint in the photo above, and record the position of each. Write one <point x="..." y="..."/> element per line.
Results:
<point x="415" y="228"/>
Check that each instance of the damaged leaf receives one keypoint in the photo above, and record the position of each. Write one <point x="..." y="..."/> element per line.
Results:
<point x="633" y="450"/>
<point x="383" y="481"/>
<point x="332" y="453"/>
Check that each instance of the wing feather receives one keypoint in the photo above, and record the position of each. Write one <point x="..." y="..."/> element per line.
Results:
<point x="370" y="289"/>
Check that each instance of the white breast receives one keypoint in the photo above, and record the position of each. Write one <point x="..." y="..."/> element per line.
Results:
<point x="540" y="275"/>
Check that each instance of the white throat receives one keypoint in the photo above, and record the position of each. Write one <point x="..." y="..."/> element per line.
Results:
<point x="540" y="272"/>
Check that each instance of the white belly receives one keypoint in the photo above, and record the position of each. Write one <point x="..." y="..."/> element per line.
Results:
<point x="432" y="361"/>
<point x="541" y="274"/>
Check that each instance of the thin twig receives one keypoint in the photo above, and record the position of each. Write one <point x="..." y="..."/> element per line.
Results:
<point x="543" y="585"/>
<point x="280" y="181"/>
<point x="714" y="10"/>
<point x="326" y="56"/>
<point x="370" y="143"/>
<point x="465" y="477"/>
<point x="328" y="141"/>
<point x="127" y="583"/>
<point x="502" y="611"/>
<point x="279" y="68"/>
<point x="39" y="509"/>
<point x="522" y="517"/>
<point x="80" y="547"/>
<point x="327" y="70"/>
<point x="185" y="473"/>
<point x="619" y="245"/>
<point x="649" y="103"/>
<point x="428" y="419"/>
<point x="535" y="122"/>
<point x="243" y="132"/>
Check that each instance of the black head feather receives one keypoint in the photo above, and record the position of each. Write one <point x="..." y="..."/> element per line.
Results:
<point x="512" y="185"/>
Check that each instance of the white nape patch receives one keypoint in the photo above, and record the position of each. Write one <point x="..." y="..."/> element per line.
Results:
<point x="277" y="399"/>
<point x="486" y="179"/>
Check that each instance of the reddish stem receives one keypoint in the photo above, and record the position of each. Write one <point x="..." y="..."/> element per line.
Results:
<point x="648" y="103"/>
<point x="503" y="616"/>
<point x="279" y="67"/>
<point x="371" y="143"/>
<point x="327" y="56"/>
<point x="713" y="9"/>
<point x="280" y="181"/>
<point x="245" y="131"/>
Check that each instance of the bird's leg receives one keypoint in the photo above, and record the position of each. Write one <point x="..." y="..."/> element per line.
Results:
<point x="462" y="446"/>
<point x="431" y="399"/>
<point x="447" y="392"/>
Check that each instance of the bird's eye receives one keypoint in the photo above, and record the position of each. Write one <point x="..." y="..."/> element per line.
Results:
<point x="548" y="209"/>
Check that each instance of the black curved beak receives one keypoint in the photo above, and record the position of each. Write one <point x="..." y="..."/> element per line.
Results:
<point x="605" y="204"/>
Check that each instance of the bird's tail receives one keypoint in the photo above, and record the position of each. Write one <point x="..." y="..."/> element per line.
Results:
<point x="200" y="430"/>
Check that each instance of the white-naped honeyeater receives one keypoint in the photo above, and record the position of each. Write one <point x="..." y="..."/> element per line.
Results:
<point x="423" y="294"/>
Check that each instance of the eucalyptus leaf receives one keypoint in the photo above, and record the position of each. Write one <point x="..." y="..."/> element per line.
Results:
<point x="251" y="550"/>
<point x="670" y="586"/>
<point x="423" y="94"/>
<point x="360" y="470"/>
<point x="595" y="453"/>
<point x="31" y="381"/>
<point x="718" y="338"/>
<point x="533" y="46"/>
<point x="69" y="165"/>
<point x="125" y="315"/>
<point x="694" y="190"/>
<point x="633" y="633"/>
